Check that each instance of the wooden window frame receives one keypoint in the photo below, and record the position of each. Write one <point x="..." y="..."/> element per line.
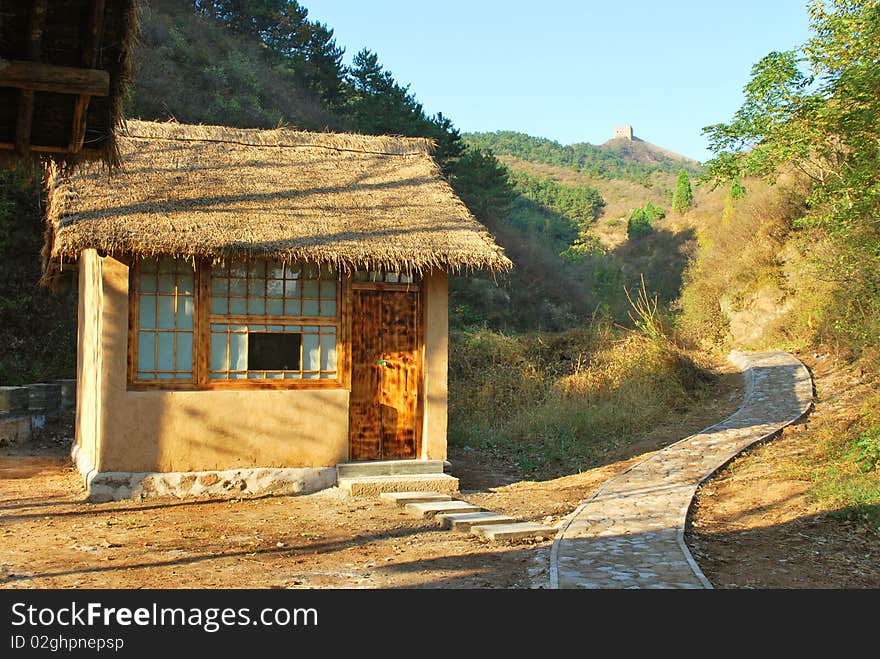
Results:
<point x="201" y="380"/>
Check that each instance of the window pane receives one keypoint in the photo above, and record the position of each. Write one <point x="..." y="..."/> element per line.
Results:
<point x="185" y="313"/>
<point x="218" y="351"/>
<point x="147" y="312"/>
<point x="276" y="307"/>
<point x="146" y="351"/>
<point x="292" y="272"/>
<point x="149" y="266"/>
<point x="238" y="287"/>
<point x="219" y="285"/>
<point x="257" y="306"/>
<point x="166" y="312"/>
<point x="238" y="306"/>
<point x="256" y="288"/>
<point x="274" y="270"/>
<point x="328" y="352"/>
<point x="311" y="271"/>
<point x="294" y="289"/>
<point x="273" y="352"/>
<point x="310" y="289"/>
<point x="237" y="352"/>
<point x="328" y="290"/>
<point x="184" y="352"/>
<point x="292" y="308"/>
<point x="310" y="308"/>
<point x="257" y="269"/>
<point x="148" y="282"/>
<point x="167" y="265"/>
<point x="219" y="305"/>
<point x="391" y="277"/>
<point x="186" y="284"/>
<point x="310" y="351"/>
<point x="328" y="308"/>
<point x="275" y="288"/>
<point x="166" y="351"/>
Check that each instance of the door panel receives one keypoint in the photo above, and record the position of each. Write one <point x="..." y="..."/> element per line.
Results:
<point x="384" y="417"/>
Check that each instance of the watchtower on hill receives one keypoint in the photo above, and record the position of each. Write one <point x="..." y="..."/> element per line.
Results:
<point x="625" y="132"/>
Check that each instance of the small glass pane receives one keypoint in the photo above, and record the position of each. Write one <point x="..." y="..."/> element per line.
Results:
<point x="146" y="351"/>
<point x="166" y="351"/>
<point x="218" y="351"/>
<point x="311" y="271"/>
<point x="328" y="308"/>
<point x="275" y="288"/>
<point x="328" y="352"/>
<point x="238" y="287"/>
<point x="147" y="312"/>
<point x="293" y="272"/>
<point x="219" y="286"/>
<point x="149" y="265"/>
<point x="219" y="305"/>
<point x="274" y="376"/>
<point x="167" y="284"/>
<point x="311" y="376"/>
<point x="294" y="289"/>
<point x="406" y="279"/>
<point x="257" y="306"/>
<point x="310" y="289"/>
<point x="256" y="288"/>
<point x="257" y="269"/>
<point x="310" y="308"/>
<point x="238" y="306"/>
<point x="168" y="265"/>
<point x="238" y="352"/>
<point x="293" y="376"/>
<point x="185" y="310"/>
<point x="327" y="272"/>
<point x="276" y="307"/>
<point x="238" y="271"/>
<point x="237" y="376"/>
<point x="292" y="308"/>
<point x="166" y="312"/>
<point x="328" y="290"/>
<point x="328" y="376"/>
<point x="392" y="277"/>
<point x="184" y="352"/>
<point x="185" y="284"/>
<point x="275" y="270"/>
<point x="148" y="282"/>
<point x="310" y="352"/>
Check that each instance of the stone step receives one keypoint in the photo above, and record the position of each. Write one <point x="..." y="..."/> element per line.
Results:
<point x="464" y="521"/>
<point x="388" y="468"/>
<point x="431" y="508"/>
<point x="365" y="486"/>
<point x="515" y="531"/>
<point x="403" y="498"/>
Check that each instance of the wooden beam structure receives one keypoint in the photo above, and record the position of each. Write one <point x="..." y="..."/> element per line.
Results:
<point x="89" y="61"/>
<point x="36" y="77"/>
<point x="25" y="118"/>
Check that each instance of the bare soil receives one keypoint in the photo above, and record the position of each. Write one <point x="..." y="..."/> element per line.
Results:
<point x="751" y="528"/>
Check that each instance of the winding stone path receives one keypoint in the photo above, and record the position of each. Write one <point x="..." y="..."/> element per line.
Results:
<point x="630" y="532"/>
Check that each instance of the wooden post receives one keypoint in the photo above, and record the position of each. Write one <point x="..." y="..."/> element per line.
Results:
<point x="25" y="118"/>
<point x="89" y="61"/>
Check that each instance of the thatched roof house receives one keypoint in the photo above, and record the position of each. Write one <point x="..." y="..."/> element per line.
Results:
<point x="257" y="307"/>
<point x="64" y="69"/>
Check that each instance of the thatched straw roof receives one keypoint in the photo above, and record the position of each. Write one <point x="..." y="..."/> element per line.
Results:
<point x="211" y="192"/>
<point x="64" y="69"/>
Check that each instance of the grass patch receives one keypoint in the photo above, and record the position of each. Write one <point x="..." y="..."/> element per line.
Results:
<point x="556" y="404"/>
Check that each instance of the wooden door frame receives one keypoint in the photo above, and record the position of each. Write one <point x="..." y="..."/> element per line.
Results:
<point x="418" y="289"/>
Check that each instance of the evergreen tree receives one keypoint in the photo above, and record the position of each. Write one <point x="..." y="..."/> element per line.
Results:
<point x="683" y="197"/>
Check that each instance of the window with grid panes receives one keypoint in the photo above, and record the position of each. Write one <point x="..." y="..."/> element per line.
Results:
<point x="272" y="321"/>
<point x="166" y="312"/>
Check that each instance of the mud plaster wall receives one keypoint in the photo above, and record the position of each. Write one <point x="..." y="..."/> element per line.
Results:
<point x="182" y="431"/>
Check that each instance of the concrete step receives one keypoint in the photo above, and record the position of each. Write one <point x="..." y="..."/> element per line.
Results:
<point x="364" y="486"/>
<point x="388" y="468"/>
<point x="464" y="521"/>
<point x="403" y="498"/>
<point x="515" y="531"/>
<point x="431" y="508"/>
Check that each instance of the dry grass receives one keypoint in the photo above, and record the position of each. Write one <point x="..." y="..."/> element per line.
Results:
<point x="559" y="403"/>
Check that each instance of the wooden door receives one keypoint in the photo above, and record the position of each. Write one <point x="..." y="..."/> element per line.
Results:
<point x="384" y="422"/>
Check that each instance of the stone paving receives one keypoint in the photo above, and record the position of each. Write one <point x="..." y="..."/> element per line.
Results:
<point x="630" y="532"/>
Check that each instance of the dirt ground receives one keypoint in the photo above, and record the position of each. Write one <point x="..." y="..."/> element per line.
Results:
<point x="751" y="528"/>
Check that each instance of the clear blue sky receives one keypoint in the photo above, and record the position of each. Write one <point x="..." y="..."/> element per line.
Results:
<point x="571" y="71"/>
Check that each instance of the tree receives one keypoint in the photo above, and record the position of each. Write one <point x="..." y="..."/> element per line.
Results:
<point x="814" y="111"/>
<point x="683" y="196"/>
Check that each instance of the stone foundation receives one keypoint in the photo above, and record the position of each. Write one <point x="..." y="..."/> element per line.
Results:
<point x="117" y="485"/>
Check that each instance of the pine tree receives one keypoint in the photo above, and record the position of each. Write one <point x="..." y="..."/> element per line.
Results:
<point x="683" y="197"/>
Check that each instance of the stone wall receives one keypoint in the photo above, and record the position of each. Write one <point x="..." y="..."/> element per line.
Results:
<point x="25" y="410"/>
